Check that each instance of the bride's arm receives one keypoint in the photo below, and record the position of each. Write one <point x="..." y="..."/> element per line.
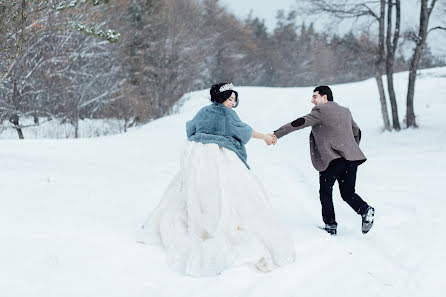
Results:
<point x="268" y="138"/>
<point x="244" y="132"/>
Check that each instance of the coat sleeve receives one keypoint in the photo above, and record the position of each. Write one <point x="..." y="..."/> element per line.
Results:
<point x="311" y="119"/>
<point x="356" y="131"/>
<point x="240" y="131"/>
<point x="191" y="126"/>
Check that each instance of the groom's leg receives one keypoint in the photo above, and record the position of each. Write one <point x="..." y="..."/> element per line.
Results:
<point x="327" y="179"/>
<point x="347" y="182"/>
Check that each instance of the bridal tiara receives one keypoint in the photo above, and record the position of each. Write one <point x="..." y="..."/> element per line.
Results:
<point x="226" y="87"/>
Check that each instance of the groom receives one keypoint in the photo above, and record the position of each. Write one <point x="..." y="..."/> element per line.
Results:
<point x="335" y="153"/>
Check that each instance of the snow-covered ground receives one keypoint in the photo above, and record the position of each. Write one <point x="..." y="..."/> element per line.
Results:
<point x="70" y="209"/>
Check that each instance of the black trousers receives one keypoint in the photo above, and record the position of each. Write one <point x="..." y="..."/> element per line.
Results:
<point x="344" y="172"/>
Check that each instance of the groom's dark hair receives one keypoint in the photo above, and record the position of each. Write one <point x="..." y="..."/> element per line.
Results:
<point x="324" y="90"/>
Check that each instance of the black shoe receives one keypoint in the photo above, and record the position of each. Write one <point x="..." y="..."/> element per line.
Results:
<point x="367" y="220"/>
<point x="330" y="229"/>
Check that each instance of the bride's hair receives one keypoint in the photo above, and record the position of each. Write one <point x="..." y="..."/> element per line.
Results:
<point x="221" y="92"/>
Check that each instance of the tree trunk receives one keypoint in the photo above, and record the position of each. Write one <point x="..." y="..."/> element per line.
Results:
<point x="14" y="119"/>
<point x="378" y="69"/>
<point x="76" y="128"/>
<point x="410" y="112"/>
<point x="415" y="61"/>
<point x="382" y="100"/>
<point x="390" y="59"/>
<point x="74" y="120"/>
<point x="126" y="123"/>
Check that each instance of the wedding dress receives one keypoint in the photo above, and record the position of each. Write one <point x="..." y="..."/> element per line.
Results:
<point x="215" y="214"/>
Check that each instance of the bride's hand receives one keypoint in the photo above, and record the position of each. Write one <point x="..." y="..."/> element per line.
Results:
<point x="269" y="139"/>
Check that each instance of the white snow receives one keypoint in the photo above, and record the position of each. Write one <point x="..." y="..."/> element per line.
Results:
<point x="70" y="209"/>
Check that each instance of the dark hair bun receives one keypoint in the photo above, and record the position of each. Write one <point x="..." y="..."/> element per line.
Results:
<point x="220" y="97"/>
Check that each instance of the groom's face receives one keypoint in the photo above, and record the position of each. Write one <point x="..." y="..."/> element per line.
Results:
<point x="317" y="99"/>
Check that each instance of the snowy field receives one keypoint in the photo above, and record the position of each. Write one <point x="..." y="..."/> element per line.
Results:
<point x="70" y="209"/>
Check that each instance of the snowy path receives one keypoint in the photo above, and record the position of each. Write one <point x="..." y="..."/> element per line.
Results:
<point x="70" y="209"/>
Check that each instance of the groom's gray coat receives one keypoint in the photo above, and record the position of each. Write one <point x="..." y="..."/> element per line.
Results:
<point x="334" y="134"/>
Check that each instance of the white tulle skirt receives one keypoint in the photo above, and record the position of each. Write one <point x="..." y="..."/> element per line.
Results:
<point x="215" y="214"/>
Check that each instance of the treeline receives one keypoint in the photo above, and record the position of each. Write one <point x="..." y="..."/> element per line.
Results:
<point x="168" y="48"/>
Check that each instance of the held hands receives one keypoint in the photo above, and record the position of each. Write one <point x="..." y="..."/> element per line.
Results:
<point x="270" y="139"/>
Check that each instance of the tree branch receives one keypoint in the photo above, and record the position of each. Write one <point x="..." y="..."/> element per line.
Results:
<point x="431" y="8"/>
<point x="343" y="10"/>
<point x="436" y="28"/>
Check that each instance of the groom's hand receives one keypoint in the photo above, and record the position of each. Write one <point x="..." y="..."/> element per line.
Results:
<point x="274" y="138"/>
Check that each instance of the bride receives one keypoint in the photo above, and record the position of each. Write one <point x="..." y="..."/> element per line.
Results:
<point x="215" y="212"/>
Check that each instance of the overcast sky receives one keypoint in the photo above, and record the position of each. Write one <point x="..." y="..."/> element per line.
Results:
<point x="267" y="9"/>
<point x="264" y="9"/>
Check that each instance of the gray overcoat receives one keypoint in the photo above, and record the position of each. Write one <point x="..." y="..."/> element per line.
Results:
<point x="334" y="134"/>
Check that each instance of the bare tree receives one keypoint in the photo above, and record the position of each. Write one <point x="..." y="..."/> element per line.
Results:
<point x="88" y="79"/>
<point x="14" y="16"/>
<point x="391" y="44"/>
<point x="378" y="66"/>
<point x="14" y="116"/>
<point x="419" y="38"/>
